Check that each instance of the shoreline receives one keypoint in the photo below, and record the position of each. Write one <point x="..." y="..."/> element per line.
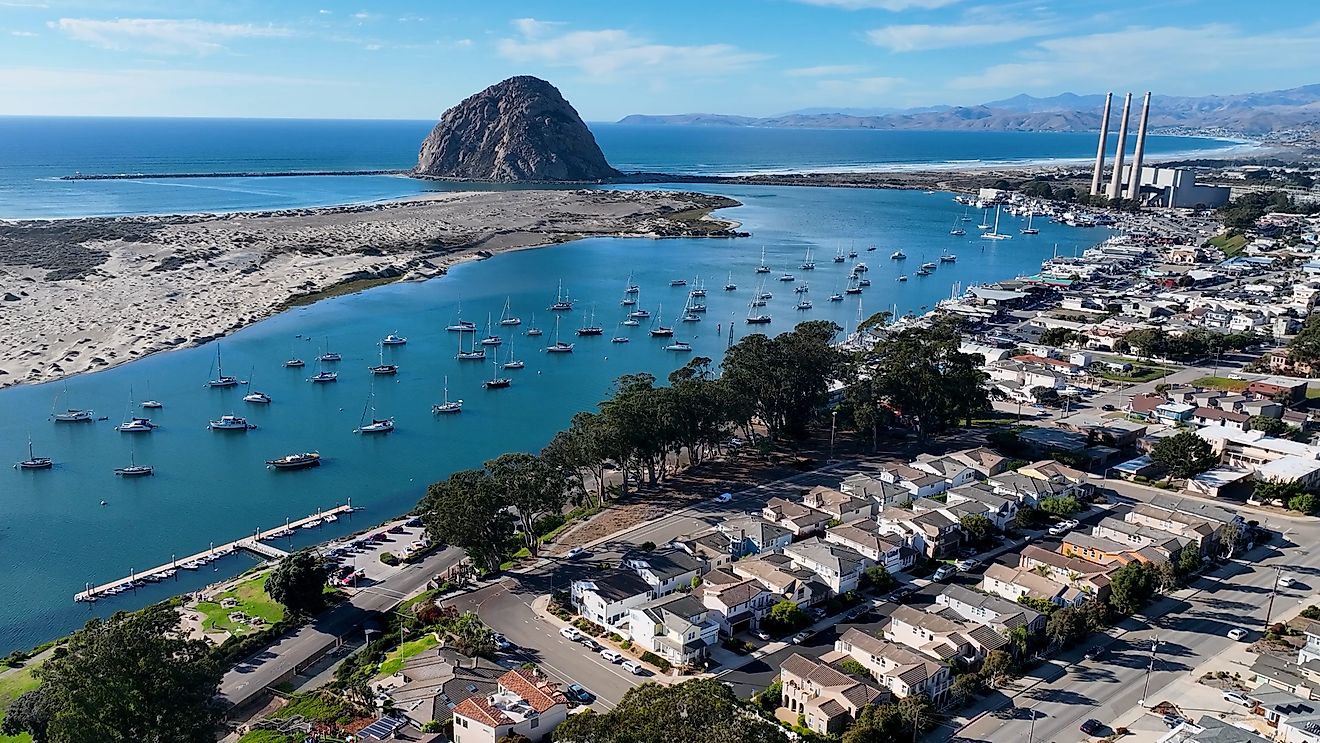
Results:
<point x="74" y="293"/>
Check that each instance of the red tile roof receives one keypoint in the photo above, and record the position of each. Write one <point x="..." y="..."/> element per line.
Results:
<point x="534" y="688"/>
<point x="479" y="709"/>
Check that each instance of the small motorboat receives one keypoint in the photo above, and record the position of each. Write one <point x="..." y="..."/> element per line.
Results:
<point x="393" y="340"/>
<point x="295" y="461"/>
<point x="898" y="255"/>
<point x="257" y="398"/>
<point x="758" y="319"/>
<point x="948" y="258"/>
<point x="679" y="346"/>
<point x="231" y="423"/>
<point x="152" y="404"/>
<point x="619" y="339"/>
<point x="136" y="425"/>
<point x="294" y="363"/>
<point x="902" y="278"/>
<point x="323" y="377"/>
<point x="788" y="277"/>
<point x="678" y="282"/>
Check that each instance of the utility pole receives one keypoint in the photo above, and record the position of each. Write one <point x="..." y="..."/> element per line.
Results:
<point x="1274" y="588"/>
<point x="1031" y="731"/>
<point x="834" y="416"/>
<point x="1154" y="643"/>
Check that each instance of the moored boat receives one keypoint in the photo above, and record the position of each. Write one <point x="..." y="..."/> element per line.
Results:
<point x="231" y="423"/>
<point x="34" y="462"/>
<point x="448" y="406"/>
<point x="295" y="461"/>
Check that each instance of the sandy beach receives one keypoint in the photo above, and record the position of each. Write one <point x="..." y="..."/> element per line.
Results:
<point x="85" y="294"/>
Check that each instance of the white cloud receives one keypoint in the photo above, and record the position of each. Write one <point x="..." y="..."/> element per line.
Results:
<point x="894" y="6"/>
<point x="825" y="70"/>
<point x="372" y="47"/>
<point x="323" y="11"/>
<point x="464" y="43"/>
<point x="362" y="15"/>
<point x="1137" y="57"/>
<point x="160" y="35"/>
<point x="921" y="37"/>
<point x="606" y="52"/>
<point x="21" y="33"/>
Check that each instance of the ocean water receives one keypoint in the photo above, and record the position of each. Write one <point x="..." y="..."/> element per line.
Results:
<point x="213" y="487"/>
<point x="36" y="152"/>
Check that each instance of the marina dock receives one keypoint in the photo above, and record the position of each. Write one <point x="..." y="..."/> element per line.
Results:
<point x="254" y="543"/>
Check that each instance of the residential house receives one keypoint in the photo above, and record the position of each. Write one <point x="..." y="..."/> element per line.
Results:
<point x="1027" y="490"/>
<point x="1202" y="532"/>
<point x="1103" y="551"/>
<point x="795" y="517"/>
<point x="1001" y="510"/>
<point x="865" y="538"/>
<point x="780" y="577"/>
<point x="932" y="635"/>
<point x="930" y="533"/>
<point x="1138" y="536"/>
<point x="525" y="704"/>
<point x="1014" y="583"/>
<point x="1209" y="729"/>
<point x="985" y="461"/>
<point x="900" y="670"/>
<point x="1296" y="720"/>
<point x="883" y="492"/>
<point x="735" y="602"/>
<point x="1281" y="389"/>
<point x="953" y="471"/>
<point x="678" y="628"/>
<point x="999" y="613"/>
<point x="838" y="567"/>
<point x="1174" y="413"/>
<point x="839" y="506"/>
<point x="607" y="597"/>
<point x="828" y="699"/>
<point x="750" y="535"/>
<point x="1216" y="417"/>
<point x="433" y="682"/>
<point x="1087" y="576"/>
<point x="1253" y="449"/>
<point x="665" y="569"/>
<point x="1311" y="628"/>
<point x="918" y="483"/>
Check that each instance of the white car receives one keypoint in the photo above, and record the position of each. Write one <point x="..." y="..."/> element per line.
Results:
<point x="1237" y="633"/>
<point x="1236" y="697"/>
<point x="1071" y="523"/>
<point x="968" y="564"/>
<point x="1058" y="530"/>
<point x="612" y="656"/>
<point x="724" y="497"/>
<point x="570" y="633"/>
<point x="634" y="667"/>
<point x="1286" y="581"/>
<point x="574" y="553"/>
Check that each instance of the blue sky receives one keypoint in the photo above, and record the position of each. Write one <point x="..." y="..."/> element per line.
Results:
<point x="395" y="59"/>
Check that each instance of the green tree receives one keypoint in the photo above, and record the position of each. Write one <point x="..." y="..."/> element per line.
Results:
<point x="1189" y="560"/>
<point x="917" y="712"/>
<point x="1043" y="606"/>
<point x="531" y="486"/>
<point x="787" y="616"/>
<point x="1057" y="336"/>
<point x="1060" y="505"/>
<point x="1130" y="587"/>
<point x="1230" y="536"/>
<point x="464" y="510"/>
<point x="298" y="582"/>
<point x="586" y="446"/>
<point x="1305" y="503"/>
<point x="880" y="723"/>
<point x="784" y="380"/>
<point x="1096" y="613"/>
<point x="854" y="667"/>
<point x="1066" y="627"/>
<point x="132" y="678"/>
<point x="470" y="636"/>
<point x="1282" y="491"/>
<point x="965" y="686"/>
<point x="696" y="711"/>
<point x="1184" y="454"/>
<point x="877" y="578"/>
<point x="1269" y="426"/>
<point x="997" y="667"/>
<point x="1304" y="348"/>
<point x="980" y="530"/>
<point x="30" y="713"/>
<point x="1164" y="576"/>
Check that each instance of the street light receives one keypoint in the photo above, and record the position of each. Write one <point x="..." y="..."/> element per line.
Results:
<point x="834" y="416"/>
<point x="1154" y="643"/>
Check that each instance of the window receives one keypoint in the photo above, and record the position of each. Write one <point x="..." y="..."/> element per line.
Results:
<point x="535" y="721"/>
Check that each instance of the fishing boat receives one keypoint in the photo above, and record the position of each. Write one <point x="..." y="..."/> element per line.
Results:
<point x="807" y="263"/>
<point x="591" y="328"/>
<point x="377" y="425"/>
<point x="231" y="423"/>
<point x="295" y="461"/>
<point x="658" y="329"/>
<point x="448" y="406"/>
<point x="679" y="346"/>
<point x="730" y="286"/>
<point x="763" y="268"/>
<point x="496" y="382"/>
<point x="559" y="346"/>
<point x="258" y="398"/>
<point x="1029" y="230"/>
<point x="460" y="325"/>
<point x="513" y="362"/>
<point x="472" y="354"/>
<point x="507" y="318"/>
<point x="220" y="379"/>
<point x="898" y="255"/>
<point x="562" y="302"/>
<point x="393" y="339"/>
<point x="34" y="462"/>
<point x="532" y="330"/>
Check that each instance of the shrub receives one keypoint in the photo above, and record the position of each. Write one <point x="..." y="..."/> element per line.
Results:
<point x="389" y="558"/>
<point x="626" y="644"/>
<point x="851" y="665"/>
<point x="657" y="661"/>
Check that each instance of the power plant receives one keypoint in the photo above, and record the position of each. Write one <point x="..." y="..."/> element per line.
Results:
<point x="1146" y="185"/>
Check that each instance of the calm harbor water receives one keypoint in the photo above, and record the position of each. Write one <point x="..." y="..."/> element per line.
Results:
<point x="213" y="486"/>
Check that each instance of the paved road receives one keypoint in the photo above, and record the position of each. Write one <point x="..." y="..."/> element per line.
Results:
<point x="245" y="681"/>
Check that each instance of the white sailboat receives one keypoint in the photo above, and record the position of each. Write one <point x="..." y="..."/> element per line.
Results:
<point x="763" y="268"/>
<point x="220" y="379"/>
<point x="448" y="406"/>
<point x="496" y="382"/>
<point x="69" y="415"/>
<point x="995" y="234"/>
<point x="473" y="354"/>
<point x="508" y="318"/>
<point x="377" y="425"/>
<point x="132" y="423"/>
<point x="533" y="330"/>
<point x="514" y="362"/>
<point x="562" y="302"/>
<point x="559" y="346"/>
<point x="381" y="368"/>
<point x="1029" y="230"/>
<point x="252" y="396"/>
<point x="460" y="325"/>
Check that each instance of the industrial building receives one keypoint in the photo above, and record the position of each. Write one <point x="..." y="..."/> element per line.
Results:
<point x="1174" y="187"/>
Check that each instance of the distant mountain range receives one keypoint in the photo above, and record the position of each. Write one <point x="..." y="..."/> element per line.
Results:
<point x="1248" y="113"/>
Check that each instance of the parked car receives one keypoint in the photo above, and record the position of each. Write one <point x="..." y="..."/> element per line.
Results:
<point x="1286" y="581"/>
<point x="574" y="553"/>
<point x="1096" y="652"/>
<point x="800" y="637"/>
<point x="1108" y="408"/>
<point x="1236" y="697"/>
<point x="580" y="695"/>
<point x="858" y="611"/>
<point x="762" y="635"/>
<point x="570" y="633"/>
<point x="969" y="564"/>
<point x="944" y="572"/>
<point x="966" y="552"/>
<point x="816" y="613"/>
<point x="612" y="656"/>
<point x="1092" y="726"/>
<point x="900" y="594"/>
<point x="1071" y="523"/>
<point x="592" y="645"/>
<point x="501" y="642"/>
<point x="1058" y="530"/>
<point x="634" y="667"/>
<point x="1237" y="633"/>
<point x="724" y="497"/>
<point x="1173" y="721"/>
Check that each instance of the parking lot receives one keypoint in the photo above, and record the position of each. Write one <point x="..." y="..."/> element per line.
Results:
<point x="360" y="555"/>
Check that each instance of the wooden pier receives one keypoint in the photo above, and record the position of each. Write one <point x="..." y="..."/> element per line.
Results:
<point x="254" y="543"/>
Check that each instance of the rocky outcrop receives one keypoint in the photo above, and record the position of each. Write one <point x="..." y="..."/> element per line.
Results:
<point x="519" y="130"/>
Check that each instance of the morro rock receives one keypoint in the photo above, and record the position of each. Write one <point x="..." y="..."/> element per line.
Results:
<point x="519" y="130"/>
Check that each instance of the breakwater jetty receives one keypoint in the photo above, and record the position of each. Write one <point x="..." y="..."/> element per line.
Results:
<point x="255" y="544"/>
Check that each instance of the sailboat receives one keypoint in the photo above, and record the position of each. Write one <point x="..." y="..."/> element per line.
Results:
<point x="838" y="255"/>
<point x="753" y="317"/>
<point x="591" y="328"/>
<point x="70" y="415"/>
<point x="151" y="404"/>
<point x="679" y="346"/>
<point x="763" y="268"/>
<point x="985" y="215"/>
<point x="473" y="354"/>
<point x="956" y="230"/>
<point x="135" y="424"/>
<point x="460" y="325"/>
<point x="328" y="355"/>
<point x="322" y="376"/>
<point x="995" y="234"/>
<point x="496" y="382"/>
<point x="508" y="318"/>
<point x="658" y="329"/>
<point x="381" y="368"/>
<point x="134" y="469"/>
<point x="853" y="286"/>
<point x="807" y="263"/>
<point x="562" y="302"/>
<point x="513" y="362"/>
<point x="34" y="462"/>
<point x="559" y="346"/>
<point x="259" y="398"/>
<point x="220" y="379"/>
<point x="689" y="313"/>
<point x="1029" y="230"/>
<point x="631" y="288"/>
<point x="294" y="362"/>
<point x="449" y="406"/>
<point x="377" y="425"/>
<point x="730" y="287"/>
<point x="533" y="330"/>
<point x="491" y="339"/>
<point x="804" y="303"/>
<point x="947" y="257"/>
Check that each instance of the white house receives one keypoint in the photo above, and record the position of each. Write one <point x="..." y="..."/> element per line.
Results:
<point x="525" y="704"/>
<point x="838" y="567"/>
<point x="677" y="628"/>
<point x="608" y="597"/>
<point x="902" y="671"/>
<point x="665" y="570"/>
<point x="865" y="538"/>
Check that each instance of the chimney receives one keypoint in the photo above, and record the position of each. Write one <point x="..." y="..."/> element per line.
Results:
<point x="1116" y="181"/>
<point x="1100" y="149"/>
<point x="1134" y="181"/>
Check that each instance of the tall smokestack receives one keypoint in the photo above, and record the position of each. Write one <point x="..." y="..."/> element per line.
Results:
<point x="1134" y="181"/>
<point x="1116" y="181"/>
<point x="1100" y="149"/>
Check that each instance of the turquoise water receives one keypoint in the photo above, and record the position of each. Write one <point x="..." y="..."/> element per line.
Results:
<point x="36" y="151"/>
<point x="213" y="486"/>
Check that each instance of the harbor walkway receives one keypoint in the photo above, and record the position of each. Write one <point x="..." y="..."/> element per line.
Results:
<point x="255" y="543"/>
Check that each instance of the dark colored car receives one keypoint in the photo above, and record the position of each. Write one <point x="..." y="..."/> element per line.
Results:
<point x="580" y="695"/>
<point x="900" y="594"/>
<point x="1092" y="726"/>
<point x="1108" y="408"/>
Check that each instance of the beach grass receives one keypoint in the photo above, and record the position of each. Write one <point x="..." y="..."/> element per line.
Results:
<point x="1222" y="383"/>
<point x="394" y="660"/>
<point x="252" y="601"/>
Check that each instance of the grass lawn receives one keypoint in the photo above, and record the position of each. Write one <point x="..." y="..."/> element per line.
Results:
<point x="394" y="660"/>
<point x="270" y="736"/>
<point x="1223" y="383"/>
<point x="1140" y="373"/>
<point x="1230" y="244"/>
<point x="252" y="601"/>
<point x="12" y="685"/>
<point x="1312" y="393"/>
<point x="318" y="706"/>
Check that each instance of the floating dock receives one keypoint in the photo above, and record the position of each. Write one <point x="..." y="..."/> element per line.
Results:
<point x="255" y="543"/>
